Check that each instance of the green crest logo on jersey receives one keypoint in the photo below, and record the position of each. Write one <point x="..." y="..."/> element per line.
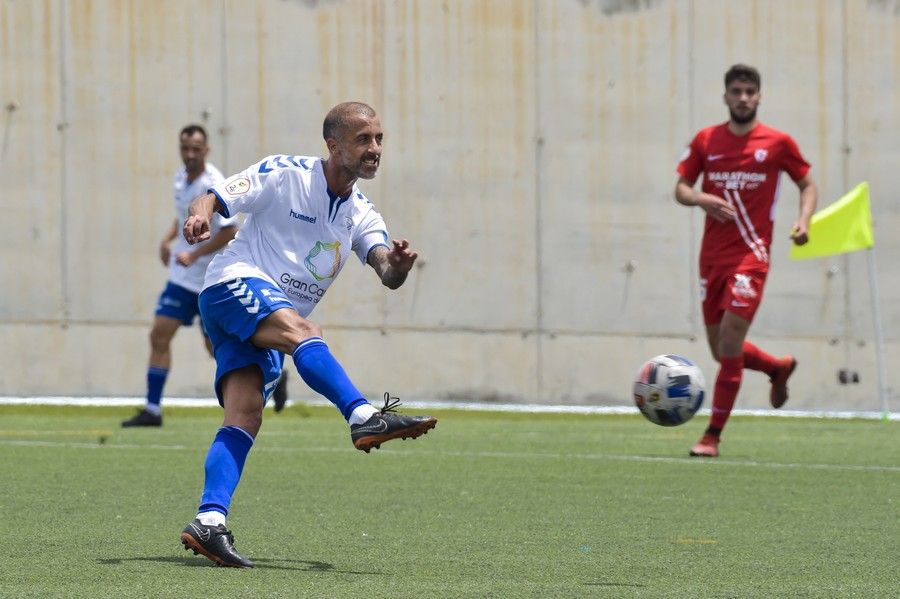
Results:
<point x="324" y="260"/>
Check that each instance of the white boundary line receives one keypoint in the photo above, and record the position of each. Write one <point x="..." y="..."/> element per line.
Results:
<point x="192" y="402"/>
<point x="693" y="462"/>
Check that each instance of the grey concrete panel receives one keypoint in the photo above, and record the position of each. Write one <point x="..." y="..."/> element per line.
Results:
<point x="529" y="156"/>
<point x="31" y="163"/>
<point x="873" y="119"/>
<point x="616" y="247"/>
<point x="460" y="170"/>
<point x="131" y="73"/>
<point x="98" y="359"/>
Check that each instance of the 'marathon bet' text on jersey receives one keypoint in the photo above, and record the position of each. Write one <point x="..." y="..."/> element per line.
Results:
<point x="298" y="235"/>
<point x="744" y="171"/>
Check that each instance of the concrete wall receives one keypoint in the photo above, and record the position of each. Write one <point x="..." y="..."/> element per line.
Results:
<point x="530" y="155"/>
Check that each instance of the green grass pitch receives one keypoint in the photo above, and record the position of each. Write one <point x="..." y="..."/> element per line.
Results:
<point x="486" y="505"/>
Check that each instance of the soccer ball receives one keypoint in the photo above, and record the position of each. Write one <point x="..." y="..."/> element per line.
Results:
<point x="668" y="390"/>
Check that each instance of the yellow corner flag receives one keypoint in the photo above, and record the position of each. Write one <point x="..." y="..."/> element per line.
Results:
<point x="844" y="226"/>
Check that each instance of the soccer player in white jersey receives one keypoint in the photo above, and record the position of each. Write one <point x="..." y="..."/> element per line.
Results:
<point x="306" y="217"/>
<point x="177" y="304"/>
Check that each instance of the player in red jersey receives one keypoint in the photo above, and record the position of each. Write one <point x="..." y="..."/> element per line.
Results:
<point x="741" y="162"/>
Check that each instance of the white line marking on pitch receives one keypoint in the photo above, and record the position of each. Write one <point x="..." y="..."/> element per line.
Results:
<point x="94" y="445"/>
<point x="490" y="454"/>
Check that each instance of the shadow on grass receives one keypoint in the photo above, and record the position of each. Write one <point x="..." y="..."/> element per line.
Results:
<point x="298" y="565"/>
<point x="614" y="584"/>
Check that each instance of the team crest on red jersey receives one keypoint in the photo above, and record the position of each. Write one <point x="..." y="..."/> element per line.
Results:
<point x="760" y="154"/>
<point x="743" y="286"/>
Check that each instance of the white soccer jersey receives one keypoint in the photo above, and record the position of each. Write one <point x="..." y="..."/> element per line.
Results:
<point x="191" y="277"/>
<point x="298" y="236"/>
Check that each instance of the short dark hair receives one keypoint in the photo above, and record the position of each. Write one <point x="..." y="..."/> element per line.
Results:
<point x="337" y="117"/>
<point x="742" y="72"/>
<point x="191" y="130"/>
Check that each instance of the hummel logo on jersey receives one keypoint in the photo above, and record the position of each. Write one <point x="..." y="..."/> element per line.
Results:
<point x="713" y="157"/>
<point x="274" y="298"/>
<point x="381" y="428"/>
<point x="303" y="217"/>
<point x="203" y="533"/>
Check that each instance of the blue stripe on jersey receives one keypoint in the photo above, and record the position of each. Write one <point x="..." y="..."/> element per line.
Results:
<point x="220" y="201"/>
<point x="376" y="245"/>
<point x="276" y="164"/>
<point x="334" y="204"/>
<point x="337" y="206"/>
<point x="297" y="161"/>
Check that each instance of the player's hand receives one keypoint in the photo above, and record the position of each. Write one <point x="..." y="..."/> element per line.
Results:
<point x="401" y="258"/>
<point x="185" y="258"/>
<point x="716" y="207"/>
<point x="799" y="233"/>
<point x="164" y="252"/>
<point x="196" y="229"/>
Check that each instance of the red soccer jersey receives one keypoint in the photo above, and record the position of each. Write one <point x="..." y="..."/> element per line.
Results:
<point x="744" y="171"/>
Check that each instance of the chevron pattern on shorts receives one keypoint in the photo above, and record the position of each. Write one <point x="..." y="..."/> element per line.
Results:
<point x="240" y="290"/>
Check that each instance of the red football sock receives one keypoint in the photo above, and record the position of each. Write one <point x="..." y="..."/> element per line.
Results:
<point x="757" y="359"/>
<point x="728" y="382"/>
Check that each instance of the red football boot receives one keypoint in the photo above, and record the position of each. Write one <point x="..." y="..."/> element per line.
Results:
<point x="706" y="447"/>
<point x="779" y="393"/>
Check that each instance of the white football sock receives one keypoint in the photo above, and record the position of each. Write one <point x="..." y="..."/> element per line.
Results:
<point x="153" y="408"/>
<point x="211" y="518"/>
<point x="362" y="413"/>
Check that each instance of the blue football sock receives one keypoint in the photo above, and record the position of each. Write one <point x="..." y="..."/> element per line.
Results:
<point x="156" y="380"/>
<point x="224" y="464"/>
<point x="323" y="374"/>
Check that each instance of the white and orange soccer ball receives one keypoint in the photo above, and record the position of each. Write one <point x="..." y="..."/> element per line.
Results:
<point x="669" y="389"/>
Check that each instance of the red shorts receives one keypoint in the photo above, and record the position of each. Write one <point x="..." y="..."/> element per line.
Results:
<point x="736" y="288"/>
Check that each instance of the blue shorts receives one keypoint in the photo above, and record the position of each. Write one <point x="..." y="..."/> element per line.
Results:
<point x="231" y="311"/>
<point x="179" y="303"/>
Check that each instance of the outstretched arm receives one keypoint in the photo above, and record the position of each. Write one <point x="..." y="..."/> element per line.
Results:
<point x="392" y="265"/>
<point x="196" y="227"/>
<point x="714" y="206"/>
<point x="808" y="200"/>
<point x="216" y="243"/>
<point x="164" y="251"/>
